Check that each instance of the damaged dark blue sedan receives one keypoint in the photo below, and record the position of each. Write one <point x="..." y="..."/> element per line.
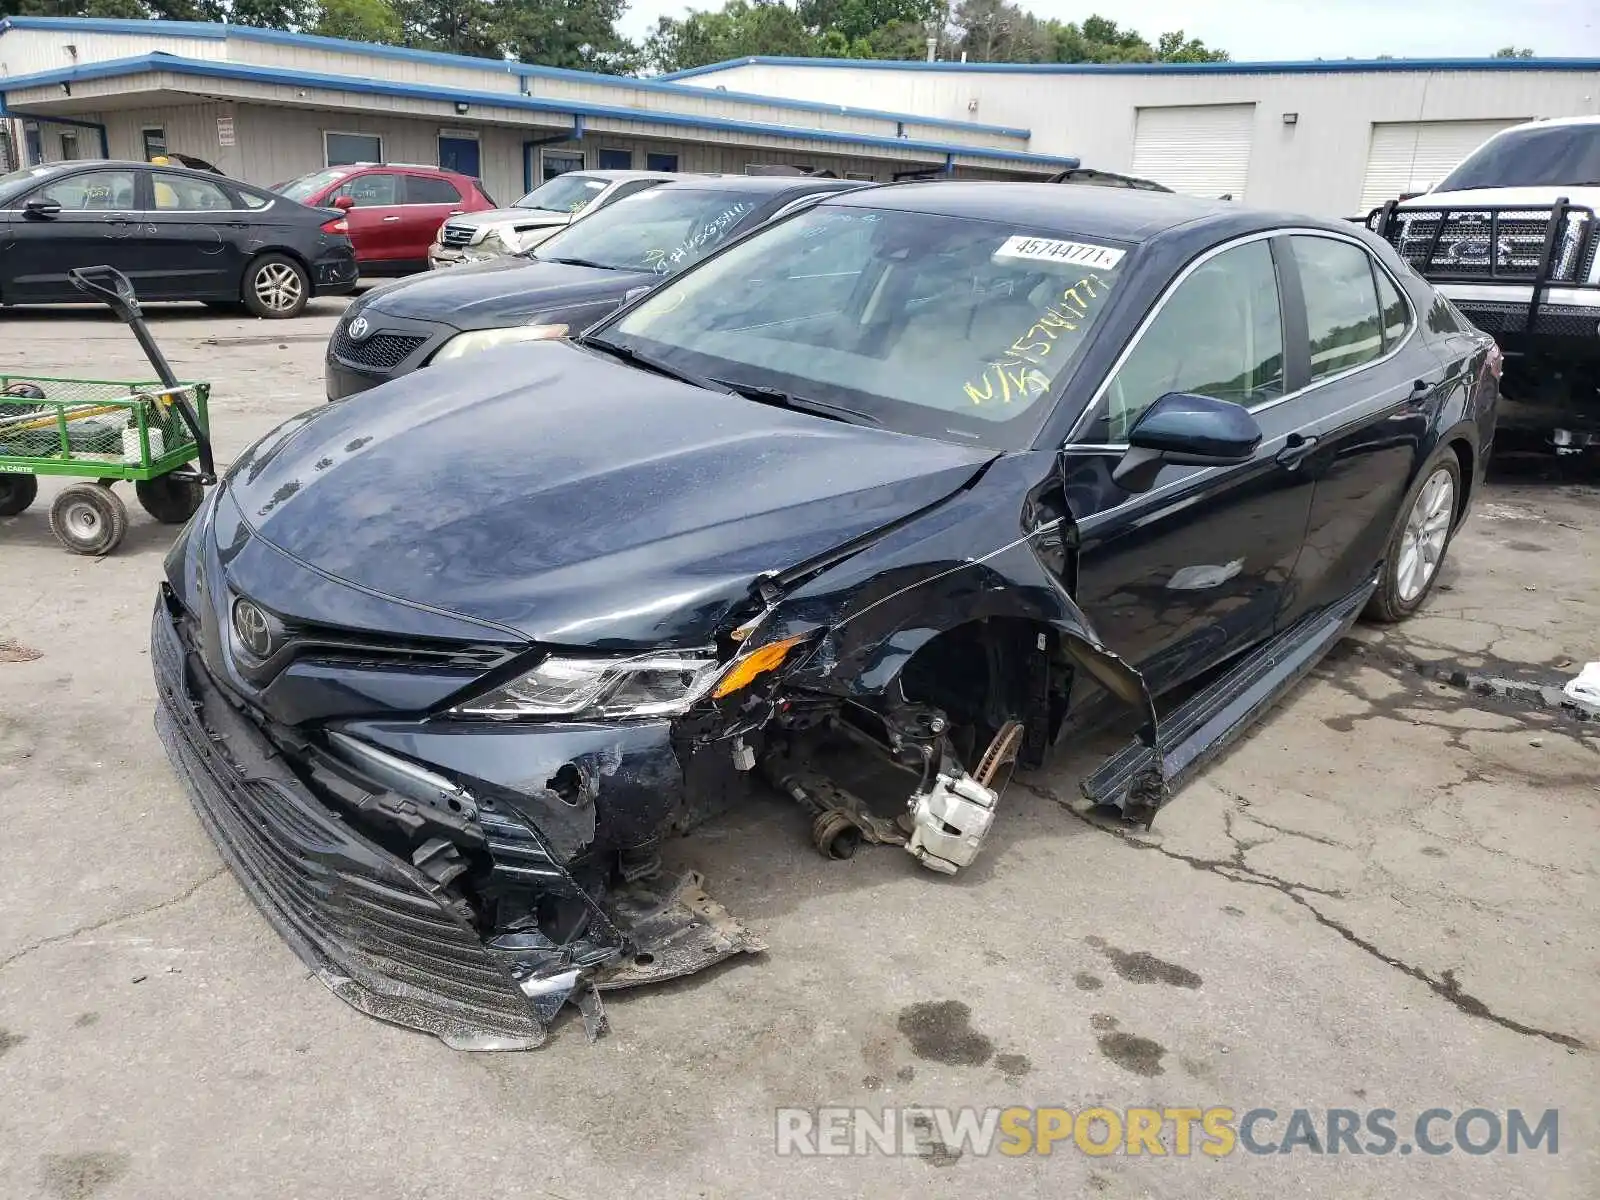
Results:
<point x="939" y="474"/>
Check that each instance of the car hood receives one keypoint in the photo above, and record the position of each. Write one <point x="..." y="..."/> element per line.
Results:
<point x="572" y="500"/>
<point x="517" y="218"/>
<point x="502" y="291"/>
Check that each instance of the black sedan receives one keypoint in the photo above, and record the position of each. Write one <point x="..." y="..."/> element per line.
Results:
<point x="569" y="282"/>
<point x="936" y="472"/>
<point x="176" y="233"/>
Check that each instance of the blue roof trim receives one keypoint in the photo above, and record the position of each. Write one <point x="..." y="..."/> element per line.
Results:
<point x="215" y="69"/>
<point x="1330" y="66"/>
<point x="216" y="32"/>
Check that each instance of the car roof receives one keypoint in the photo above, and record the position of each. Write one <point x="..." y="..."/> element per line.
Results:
<point x="123" y="164"/>
<point x="616" y="176"/>
<point x="777" y="185"/>
<point x="1120" y="214"/>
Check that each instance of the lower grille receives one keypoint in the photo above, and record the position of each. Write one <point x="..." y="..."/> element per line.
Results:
<point x="381" y="350"/>
<point x="1553" y="320"/>
<point x="376" y="931"/>
<point x="456" y="235"/>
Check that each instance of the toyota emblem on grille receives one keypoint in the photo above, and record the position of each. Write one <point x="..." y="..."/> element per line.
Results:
<point x="253" y="627"/>
<point x="358" y="329"/>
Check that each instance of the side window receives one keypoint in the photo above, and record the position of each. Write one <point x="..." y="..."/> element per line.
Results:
<point x="1341" y="304"/>
<point x="1219" y="334"/>
<point x="94" y="191"/>
<point x="179" y="193"/>
<point x="429" y="189"/>
<point x="371" y="191"/>
<point x="254" y="199"/>
<point x="1396" y="316"/>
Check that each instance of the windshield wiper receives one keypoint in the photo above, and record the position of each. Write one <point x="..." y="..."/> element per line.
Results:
<point x="649" y="362"/>
<point x="576" y="262"/>
<point x="779" y="398"/>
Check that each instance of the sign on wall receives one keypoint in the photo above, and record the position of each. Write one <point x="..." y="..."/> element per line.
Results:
<point x="224" y="131"/>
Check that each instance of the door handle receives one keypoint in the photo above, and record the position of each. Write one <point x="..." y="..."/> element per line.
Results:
<point x="386" y="220"/>
<point x="1296" y="448"/>
<point x="1422" y="389"/>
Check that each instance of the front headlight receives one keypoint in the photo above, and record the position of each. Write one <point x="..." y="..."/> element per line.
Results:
<point x="661" y="683"/>
<point x="477" y="340"/>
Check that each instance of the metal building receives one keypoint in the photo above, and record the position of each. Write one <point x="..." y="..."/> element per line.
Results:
<point x="1330" y="138"/>
<point x="266" y="106"/>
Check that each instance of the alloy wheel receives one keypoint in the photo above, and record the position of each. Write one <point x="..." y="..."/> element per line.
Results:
<point x="277" y="286"/>
<point x="1427" y="529"/>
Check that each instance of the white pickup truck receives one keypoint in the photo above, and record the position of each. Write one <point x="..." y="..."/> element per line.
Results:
<point x="1511" y="237"/>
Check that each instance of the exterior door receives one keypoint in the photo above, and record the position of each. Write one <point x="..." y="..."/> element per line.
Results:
<point x="1196" y="568"/>
<point x="193" y="240"/>
<point x="429" y="202"/>
<point x="1364" y="408"/>
<point x="375" y="220"/>
<point x="460" y="154"/>
<point x="97" y="224"/>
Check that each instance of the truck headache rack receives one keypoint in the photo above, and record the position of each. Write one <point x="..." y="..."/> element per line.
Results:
<point x="1538" y="247"/>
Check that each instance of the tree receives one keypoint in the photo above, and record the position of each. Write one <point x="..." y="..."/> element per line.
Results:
<point x="358" y="21"/>
<point x="580" y="34"/>
<point x="741" y="28"/>
<point x="1171" y="47"/>
<point x="1512" y="52"/>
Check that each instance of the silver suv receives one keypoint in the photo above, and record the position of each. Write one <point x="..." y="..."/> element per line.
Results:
<point x="553" y="205"/>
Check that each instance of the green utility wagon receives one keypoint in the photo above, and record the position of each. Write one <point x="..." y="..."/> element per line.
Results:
<point x="106" y="431"/>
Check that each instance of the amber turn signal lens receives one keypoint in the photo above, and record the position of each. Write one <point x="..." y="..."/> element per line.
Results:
<point x="752" y="666"/>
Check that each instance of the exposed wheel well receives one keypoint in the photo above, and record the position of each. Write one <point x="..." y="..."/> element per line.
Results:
<point x="1465" y="457"/>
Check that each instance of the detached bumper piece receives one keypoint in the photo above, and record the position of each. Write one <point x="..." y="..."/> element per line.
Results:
<point x="375" y="930"/>
<point x="1139" y="778"/>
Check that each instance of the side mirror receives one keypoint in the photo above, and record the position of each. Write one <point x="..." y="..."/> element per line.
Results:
<point x="42" y="208"/>
<point x="344" y="203"/>
<point x="1186" y="430"/>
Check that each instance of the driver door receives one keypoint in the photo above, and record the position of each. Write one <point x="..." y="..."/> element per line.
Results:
<point x="1196" y="569"/>
<point x="96" y="224"/>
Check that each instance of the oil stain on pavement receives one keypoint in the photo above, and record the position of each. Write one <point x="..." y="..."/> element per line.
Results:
<point x="941" y="1031"/>
<point x="79" y="1176"/>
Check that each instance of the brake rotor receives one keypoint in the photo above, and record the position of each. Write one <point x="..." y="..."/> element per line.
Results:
<point x="1000" y="759"/>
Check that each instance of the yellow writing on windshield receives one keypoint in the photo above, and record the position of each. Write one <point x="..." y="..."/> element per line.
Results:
<point x="1020" y="371"/>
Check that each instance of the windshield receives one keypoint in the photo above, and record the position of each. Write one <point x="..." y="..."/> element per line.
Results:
<point x="568" y="193"/>
<point x="662" y="230"/>
<point x="937" y="325"/>
<point x="307" y="186"/>
<point x="1551" y="156"/>
<point x="16" y="182"/>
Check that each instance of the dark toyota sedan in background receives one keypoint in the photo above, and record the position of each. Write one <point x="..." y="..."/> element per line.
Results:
<point x="442" y="665"/>
<point x="176" y="233"/>
<point x="569" y="282"/>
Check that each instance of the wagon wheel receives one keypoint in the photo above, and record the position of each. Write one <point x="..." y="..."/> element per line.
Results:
<point x="88" y="519"/>
<point x="16" y="493"/>
<point x="170" y="499"/>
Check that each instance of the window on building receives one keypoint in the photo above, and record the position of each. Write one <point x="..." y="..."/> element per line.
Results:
<point x="661" y="162"/>
<point x="69" y="145"/>
<point x="1220" y="333"/>
<point x="372" y="190"/>
<point x="342" y="149"/>
<point x="154" y="138"/>
<point x="179" y="193"/>
<point x="616" y="160"/>
<point x="429" y="189"/>
<point x="559" y="162"/>
<point x="1341" y="304"/>
<point x="92" y="191"/>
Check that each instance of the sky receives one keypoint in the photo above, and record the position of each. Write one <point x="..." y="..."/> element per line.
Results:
<point x="1254" y="30"/>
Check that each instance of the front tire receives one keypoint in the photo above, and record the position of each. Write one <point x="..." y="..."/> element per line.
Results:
<point x="171" y="500"/>
<point x="16" y="493"/>
<point x="276" y="287"/>
<point x="88" y="519"/>
<point x="1418" y="544"/>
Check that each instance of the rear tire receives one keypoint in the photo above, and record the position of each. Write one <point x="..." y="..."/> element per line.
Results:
<point x="1419" y="542"/>
<point x="88" y="519"/>
<point x="170" y="499"/>
<point x="276" y="287"/>
<point x="16" y="493"/>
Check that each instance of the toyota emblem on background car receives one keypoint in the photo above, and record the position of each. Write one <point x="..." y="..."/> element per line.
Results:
<point x="253" y="627"/>
<point x="358" y="328"/>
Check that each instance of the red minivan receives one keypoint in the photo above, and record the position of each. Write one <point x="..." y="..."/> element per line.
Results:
<point x="393" y="210"/>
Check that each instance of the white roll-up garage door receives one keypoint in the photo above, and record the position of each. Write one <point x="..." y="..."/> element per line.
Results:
<point x="1203" y="150"/>
<point x="1408" y="155"/>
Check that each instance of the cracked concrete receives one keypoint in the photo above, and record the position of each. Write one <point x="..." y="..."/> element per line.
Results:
<point x="1385" y="895"/>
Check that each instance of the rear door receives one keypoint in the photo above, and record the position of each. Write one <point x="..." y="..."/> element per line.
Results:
<point x="377" y="216"/>
<point x="430" y="200"/>
<point x="193" y="235"/>
<point x="98" y="223"/>
<point x="1195" y="569"/>
<point x="1365" y="414"/>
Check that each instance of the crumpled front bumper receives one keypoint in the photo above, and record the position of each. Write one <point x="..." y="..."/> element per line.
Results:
<point x="375" y="930"/>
